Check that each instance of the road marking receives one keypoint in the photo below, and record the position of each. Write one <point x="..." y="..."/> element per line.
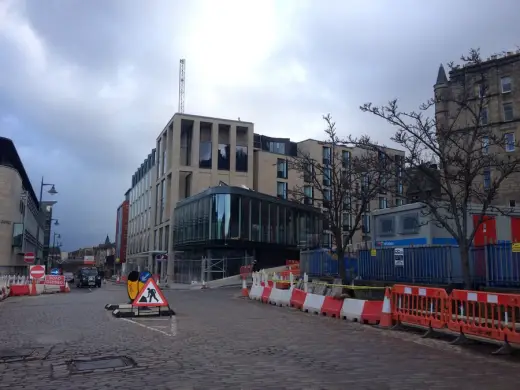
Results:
<point x="151" y="328"/>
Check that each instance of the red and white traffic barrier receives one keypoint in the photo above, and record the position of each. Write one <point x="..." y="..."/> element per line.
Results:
<point x="358" y="310"/>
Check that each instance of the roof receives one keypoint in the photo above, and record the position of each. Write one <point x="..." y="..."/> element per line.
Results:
<point x="10" y="157"/>
<point x="441" y="76"/>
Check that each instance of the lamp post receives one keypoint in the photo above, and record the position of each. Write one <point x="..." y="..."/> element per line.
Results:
<point x="52" y="191"/>
<point x="54" y="248"/>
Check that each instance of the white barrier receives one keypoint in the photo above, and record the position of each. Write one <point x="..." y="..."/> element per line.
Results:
<point x="280" y="297"/>
<point x="352" y="309"/>
<point x="313" y="303"/>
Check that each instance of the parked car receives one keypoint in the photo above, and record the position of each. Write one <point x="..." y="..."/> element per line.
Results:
<point x="88" y="277"/>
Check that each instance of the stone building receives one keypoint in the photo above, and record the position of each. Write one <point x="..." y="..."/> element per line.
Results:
<point x="493" y="84"/>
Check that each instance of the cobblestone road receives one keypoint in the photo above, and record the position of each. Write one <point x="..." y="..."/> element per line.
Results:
<point x="224" y="342"/>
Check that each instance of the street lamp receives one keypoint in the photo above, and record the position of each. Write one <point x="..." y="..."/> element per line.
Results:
<point x="56" y="235"/>
<point x="52" y="191"/>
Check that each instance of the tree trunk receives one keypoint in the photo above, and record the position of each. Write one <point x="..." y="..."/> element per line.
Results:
<point x="341" y="265"/>
<point x="465" y="265"/>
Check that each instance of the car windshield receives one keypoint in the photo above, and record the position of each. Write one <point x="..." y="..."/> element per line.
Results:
<point x="89" y="272"/>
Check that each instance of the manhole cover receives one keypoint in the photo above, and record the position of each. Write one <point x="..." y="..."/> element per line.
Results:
<point x="101" y="363"/>
<point x="20" y="353"/>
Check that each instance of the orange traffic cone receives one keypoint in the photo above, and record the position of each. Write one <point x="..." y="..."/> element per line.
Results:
<point x="245" y="291"/>
<point x="33" y="288"/>
<point x="67" y="287"/>
<point x="386" y="313"/>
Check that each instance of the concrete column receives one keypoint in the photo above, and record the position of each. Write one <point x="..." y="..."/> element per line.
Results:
<point x="214" y="153"/>
<point x="232" y="150"/>
<point x="195" y="144"/>
<point x="174" y="195"/>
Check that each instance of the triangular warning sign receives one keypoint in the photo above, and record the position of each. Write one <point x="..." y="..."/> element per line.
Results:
<point x="150" y="296"/>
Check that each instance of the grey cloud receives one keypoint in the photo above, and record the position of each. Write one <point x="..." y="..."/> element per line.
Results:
<point x="352" y="52"/>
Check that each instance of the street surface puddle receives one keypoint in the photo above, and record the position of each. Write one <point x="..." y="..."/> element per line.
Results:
<point x="101" y="363"/>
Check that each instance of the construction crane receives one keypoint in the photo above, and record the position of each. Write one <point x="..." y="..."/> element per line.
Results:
<point x="182" y="79"/>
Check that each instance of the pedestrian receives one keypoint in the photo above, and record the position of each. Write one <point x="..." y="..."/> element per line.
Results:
<point x="256" y="266"/>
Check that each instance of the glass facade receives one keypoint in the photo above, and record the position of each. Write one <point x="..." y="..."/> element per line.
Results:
<point x="239" y="217"/>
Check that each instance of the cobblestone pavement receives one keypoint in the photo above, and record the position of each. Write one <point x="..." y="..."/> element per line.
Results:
<point x="224" y="342"/>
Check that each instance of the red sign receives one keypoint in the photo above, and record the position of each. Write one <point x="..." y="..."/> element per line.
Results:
<point x="29" y="257"/>
<point x="150" y="296"/>
<point x="55" y="280"/>
<point x="37" y="271"/>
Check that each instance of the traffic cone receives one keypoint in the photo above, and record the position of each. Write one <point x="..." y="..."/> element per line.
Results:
<point x="32" y="291"/>
<point x="67" y="287"/>
<point x="245" y="292"/>
<point x="386" y="313"/>
<point x="117" y="280"/>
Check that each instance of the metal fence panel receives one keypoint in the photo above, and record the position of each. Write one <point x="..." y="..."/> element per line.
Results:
<point x="319" y="262"/>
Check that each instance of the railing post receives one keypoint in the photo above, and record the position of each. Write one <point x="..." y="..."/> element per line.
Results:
<point x="305" y="282"/>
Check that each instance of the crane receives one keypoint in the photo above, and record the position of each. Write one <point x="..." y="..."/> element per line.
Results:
<point x="182" y="79"/>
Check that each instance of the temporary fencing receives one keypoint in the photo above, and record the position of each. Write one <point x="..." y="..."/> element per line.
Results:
<point x="487" y="317"/>
<point x="491" y="265"/>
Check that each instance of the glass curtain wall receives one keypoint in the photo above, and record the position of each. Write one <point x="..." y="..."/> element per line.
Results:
<point x="236" y="217"/>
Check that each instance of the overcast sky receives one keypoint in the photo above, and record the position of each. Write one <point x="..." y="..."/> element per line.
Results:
<point x="86" y="86"/>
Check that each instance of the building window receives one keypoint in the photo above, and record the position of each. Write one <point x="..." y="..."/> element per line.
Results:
<point x="223" y="157"/>
<point x="366" y="224"/>
<point x="277" y="147"/>
<point x="326" y="155"/>
<point x="410" y="223"/>
<point x="508" y="112"/>
<point x="241" y="159"/>
<point x="281" y="190"/>
<point x="487" y="178"/>
<point x="398" y="202"/>
<point x="506" y="84"/>
<point x="484" y="116"/>
<point x="400" y="187"/>
<point x="327" y="173"/>
<point x="327" y="240"/>
<point x="386" y="225"/>
<point x="480" y="90"/>
<point x="205" y="152"/>
<point x="382" y="203"/>
<point x="281" y="168"/>
<point x="485" y="145"/>
<point x="347" y="220"/>
<point x="345" y="157"/>
<point x="307" y="191"/>
<point x="327" y="197"/>
<point x="509" y="142"/>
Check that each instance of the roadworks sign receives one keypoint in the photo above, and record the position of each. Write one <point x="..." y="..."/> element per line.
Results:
<point x="150" y="296"/>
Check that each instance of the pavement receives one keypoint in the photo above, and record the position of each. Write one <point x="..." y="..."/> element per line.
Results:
<point x="218" y="340"/>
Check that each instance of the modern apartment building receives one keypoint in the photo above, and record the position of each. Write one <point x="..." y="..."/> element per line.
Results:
<point x="499" y="115"/>
<point x="20" y="219"/>
<point x="273" y="176"/>
<point x="214" y="188"/>
<point x="122" y="230"/>
<point x="141" y="212"/>
<point x="195" y="153"/>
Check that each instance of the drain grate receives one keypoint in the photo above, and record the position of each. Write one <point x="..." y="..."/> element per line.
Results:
<point x="101" y="363"/>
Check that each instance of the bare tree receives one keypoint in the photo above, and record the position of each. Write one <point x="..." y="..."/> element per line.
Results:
<point x="342" y="183"/>
<point x="470" y="153"/>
